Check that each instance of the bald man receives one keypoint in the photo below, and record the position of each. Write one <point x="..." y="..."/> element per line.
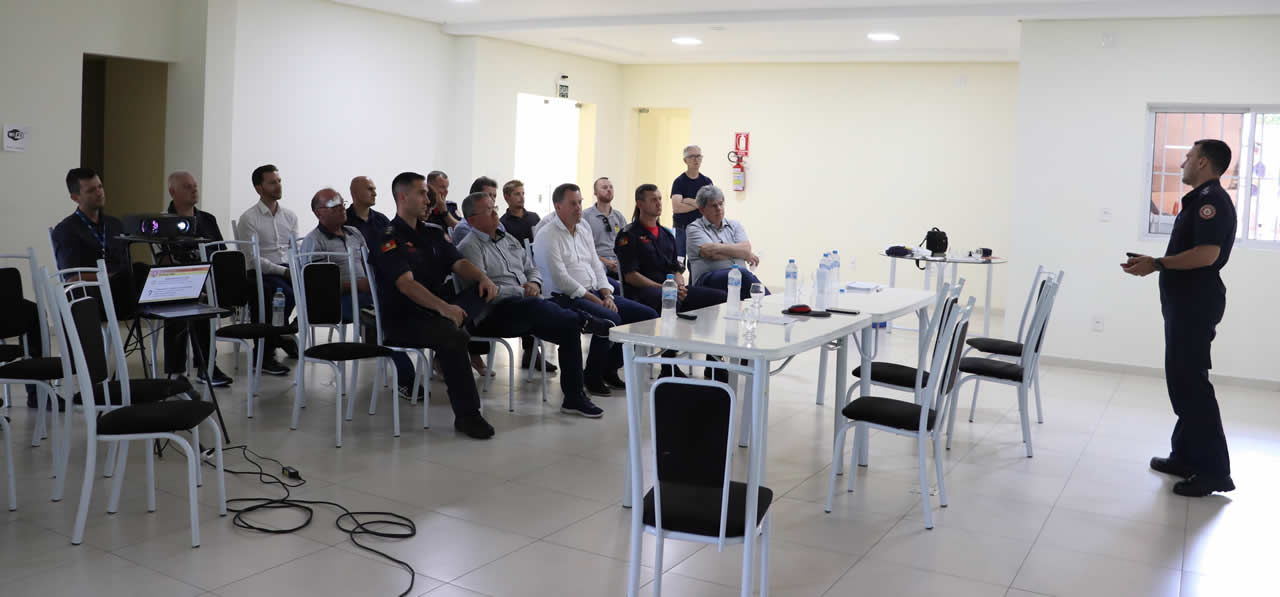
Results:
<point x="361" y="215"/>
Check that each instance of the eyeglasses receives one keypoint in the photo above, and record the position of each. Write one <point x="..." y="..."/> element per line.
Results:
<point x="696" y="156"/>
<point x="334" y="202"/>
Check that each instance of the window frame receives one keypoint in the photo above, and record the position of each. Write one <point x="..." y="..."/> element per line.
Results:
<point x="1244" y="196"/>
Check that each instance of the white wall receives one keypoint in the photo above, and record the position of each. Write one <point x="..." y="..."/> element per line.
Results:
<point x="1081" y="147"/>
<point x="43" y="48"/>
<point x="851" y="157"/>
<point x="490" y="74"/>
<point x="327" y="92"/>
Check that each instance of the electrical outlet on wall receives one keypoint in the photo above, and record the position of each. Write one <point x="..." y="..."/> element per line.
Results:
<point x="1097" y="323"/>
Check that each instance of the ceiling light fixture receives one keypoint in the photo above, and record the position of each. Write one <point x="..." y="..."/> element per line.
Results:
<point x="883" y="37"/>
<point x="686" y="41"/>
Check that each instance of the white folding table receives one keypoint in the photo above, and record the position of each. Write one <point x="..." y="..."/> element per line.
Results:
<point x="940" y="264"/>
<point x="712" y="333"/>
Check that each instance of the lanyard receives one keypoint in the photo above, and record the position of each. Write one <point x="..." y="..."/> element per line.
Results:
<point x="101" y="236"/>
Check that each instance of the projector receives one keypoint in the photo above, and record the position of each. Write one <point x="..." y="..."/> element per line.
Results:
<point x="159" y="225"/>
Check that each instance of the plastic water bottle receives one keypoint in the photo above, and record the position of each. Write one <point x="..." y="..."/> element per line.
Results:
<point x="735" y="290"/>
<point x="277" y="308"/>
<point x="790" y="294"/>
<point x="820" y="285"/>
<point x="669" y="293"/>
<point x="835" y="271"/>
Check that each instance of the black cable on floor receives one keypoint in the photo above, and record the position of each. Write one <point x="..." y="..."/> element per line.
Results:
<point x="405" y="528"/>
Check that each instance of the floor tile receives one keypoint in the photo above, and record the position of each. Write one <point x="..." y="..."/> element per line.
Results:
<point x="329" y="573"/>
<point x="608" y="532"/>
<point x="523" y="509"/>
<point x="1154" y="544"/>
<point x="874" y="577"/>
<point x="793" y="569"/>
<point x="444" y="547"/>
<point x="954" y="551"/>
<point x="547" y="570"/>
<point x="98" y="573"/>
<point x="1066" y="573"/>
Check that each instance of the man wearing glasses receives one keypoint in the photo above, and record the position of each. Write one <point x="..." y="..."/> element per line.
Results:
<point x="684" y="190"/>
<point x="605" y="222"/>
<point x="716" y="244"/>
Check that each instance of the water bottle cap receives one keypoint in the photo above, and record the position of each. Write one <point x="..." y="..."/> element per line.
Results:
<point x="791" y="261"/>
<point x="735" y="266"/>
<point x="671" y="276"/>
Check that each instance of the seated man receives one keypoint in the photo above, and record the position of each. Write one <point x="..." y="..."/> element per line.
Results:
<point x="605" y="222"/>
<point x="332" y="235"/>
<point x="185" y="194"/>
<point x="89" y="234"/>
<point x="717" y="244"/>
<point x="275" y="226"/>
<point x="441" y="211"/>
<point x="565" y="250"/>
<point x="412" y="264"/>
<point x="647" y="255"/>
<point x="520" y="308"/>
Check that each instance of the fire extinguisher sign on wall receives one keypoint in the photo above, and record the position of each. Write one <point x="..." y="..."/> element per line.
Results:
<point x="741" y="148"/>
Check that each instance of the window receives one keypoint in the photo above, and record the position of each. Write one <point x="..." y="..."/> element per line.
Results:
<point x="1254" y="139"/>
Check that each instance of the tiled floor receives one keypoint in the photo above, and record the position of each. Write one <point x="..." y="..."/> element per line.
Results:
<point x="536" y="510"/>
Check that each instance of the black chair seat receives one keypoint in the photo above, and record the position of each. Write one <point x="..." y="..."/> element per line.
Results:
<point x="892" y="374"/>
<point x="156" y="417"/>
<point x="991" y="368"/>
<point x="141" y="391"/>
<point x="9" y="352"/>
<point x="1007" y="348"/>
<point x="38" y="369"/>
<point x="898" y="414"/>
<point x="695" y="509"/>
<point x="347" y="351"/>
<point x="253" y="331"/>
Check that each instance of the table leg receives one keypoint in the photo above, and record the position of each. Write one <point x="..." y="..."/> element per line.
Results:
<point x="842" y="363"/>
<point x="986" y="306"/>
<point x="893" y="272"/>
<point x="634" y="478"/>
<point x="755" y="470"/>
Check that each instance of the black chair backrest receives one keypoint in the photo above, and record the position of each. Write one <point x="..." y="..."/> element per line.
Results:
<point x="322" y="288"/>
<point x="13" y="305"/>
<point x="84" y="313"/>
<point x="692" y="428"/>
<point x="230" y="278"/>
<point x="953" y="358"/>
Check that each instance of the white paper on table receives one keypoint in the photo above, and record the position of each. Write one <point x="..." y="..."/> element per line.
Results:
<point x="773" y="319"/>
<point x="864" y="287"/>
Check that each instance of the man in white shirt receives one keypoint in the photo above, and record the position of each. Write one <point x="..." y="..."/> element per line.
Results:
<point x="276" y="228"/>
<point x="575" y="279"/>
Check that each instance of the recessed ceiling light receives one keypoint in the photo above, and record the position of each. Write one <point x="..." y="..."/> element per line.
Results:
<point x="883" y="37"/>
<point x="718" y="27"/>
<point x="686" y="41"/>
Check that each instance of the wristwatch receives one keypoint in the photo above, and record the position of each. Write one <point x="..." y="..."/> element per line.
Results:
<point x="1159" y="264"/>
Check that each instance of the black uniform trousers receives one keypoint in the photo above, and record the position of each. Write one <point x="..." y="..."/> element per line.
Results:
<point x="697" y="297"/>
<point x="537" y="316"/>
<point x="428" y="329"/>
<point x="1198" y="440"/>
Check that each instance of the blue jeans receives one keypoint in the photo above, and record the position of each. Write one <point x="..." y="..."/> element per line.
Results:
<point x="604" y="356"/>
<point x="404" y="365"/>
<point x="719" y="279"/>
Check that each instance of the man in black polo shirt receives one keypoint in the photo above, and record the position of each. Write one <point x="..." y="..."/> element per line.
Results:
<point x="362" y="216"/>
<point x="88" y="234"/>
<point x="412" y="264"/>
<point x="184" y="193"/>
<point x="441" y="211"/>
<point x="684" y="191"/>
<point x="518" y="221"/>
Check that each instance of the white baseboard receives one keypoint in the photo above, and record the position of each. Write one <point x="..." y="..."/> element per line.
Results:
<point x="1157" y="372"/>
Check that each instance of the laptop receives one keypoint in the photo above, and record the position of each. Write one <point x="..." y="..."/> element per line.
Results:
<point x="173" y="291"/>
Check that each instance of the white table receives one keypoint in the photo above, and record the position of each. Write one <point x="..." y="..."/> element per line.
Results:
<point x="713" y="334"/>
<point x="954" y="261"/>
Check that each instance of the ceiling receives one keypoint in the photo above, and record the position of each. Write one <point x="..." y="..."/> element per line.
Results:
<point x="630" y="32"/>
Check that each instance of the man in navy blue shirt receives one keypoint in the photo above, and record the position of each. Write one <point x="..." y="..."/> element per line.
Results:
<point x="1192" y="301"/>
<point x="684" y="191"/>
<point x="88" y="234"/>
<point x="362" y="216"/>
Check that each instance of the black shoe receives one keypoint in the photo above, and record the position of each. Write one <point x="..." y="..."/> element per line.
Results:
<point x="220" y="379"/>
<point x="406" y="392"/>
<point x="271" y="366"/>
<point x="596" y="326"/>
<point x="581" y="406"/>
<point x="536" y="364"/>
<point x="1171" y="467"/>
<point x="597" y="387"/>
<point x="1200" y="486"/>
<point x="289" y="346"/>
<point x="613" y="380"/>
<point x="474" y="426"/>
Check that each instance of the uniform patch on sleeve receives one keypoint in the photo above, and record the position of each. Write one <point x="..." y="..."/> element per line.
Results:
<point x="1207" y="212"/>
<point x="388" y="246"/>
<point x="622" y="241"/>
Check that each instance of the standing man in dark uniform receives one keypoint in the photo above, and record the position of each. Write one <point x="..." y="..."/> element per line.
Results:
<point x="684" y="192"/>
<point x="647" y="254"/>
<point x="1192" y="300"/>
<point x="412" y="264"/>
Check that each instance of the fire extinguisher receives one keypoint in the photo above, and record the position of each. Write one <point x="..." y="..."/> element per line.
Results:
<point x="739" y="171"/>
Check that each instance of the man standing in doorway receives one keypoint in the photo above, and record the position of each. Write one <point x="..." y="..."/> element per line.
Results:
<point x="684" y="191"/>
<point x="1192" y="301"/>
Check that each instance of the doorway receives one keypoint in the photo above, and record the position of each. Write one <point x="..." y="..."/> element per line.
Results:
<point x="661" y="134"/>
<point x="555" y="144"/>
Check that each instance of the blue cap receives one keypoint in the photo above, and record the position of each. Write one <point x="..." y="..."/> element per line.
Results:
<point x="791" y="261"/>
<point x="671" y="276"/>
<point x="735" y="266"/>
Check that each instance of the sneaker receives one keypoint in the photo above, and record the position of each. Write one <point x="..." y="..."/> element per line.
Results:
<point x="527" y="362"/>
<point x="473" y="426"/>
<point x="720" y="375"/>
<point x="220" y="379"/>
<point x="581" y="406"/>
<point x="597" y="388"/>
<point x="406" y="392"/>
<point x="271" y="366"/>
<point x="614" y="381"/>
<point x="596" y="326"/>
